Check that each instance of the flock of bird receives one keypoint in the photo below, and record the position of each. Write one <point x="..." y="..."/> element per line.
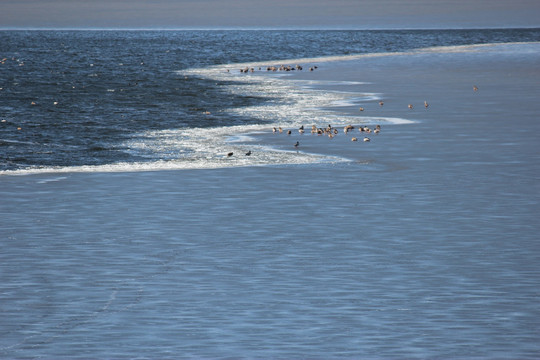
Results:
<point x="329" y="130"/>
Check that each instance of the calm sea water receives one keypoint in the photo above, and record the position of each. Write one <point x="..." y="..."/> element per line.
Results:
<point x="93" y="97"/>
<point x="423" y="244"/>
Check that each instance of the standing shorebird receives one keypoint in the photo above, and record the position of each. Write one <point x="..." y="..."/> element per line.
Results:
<point x="297" y="144"/>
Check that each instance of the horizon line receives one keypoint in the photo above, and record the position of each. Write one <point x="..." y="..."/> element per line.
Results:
<point x="248" y="28"/>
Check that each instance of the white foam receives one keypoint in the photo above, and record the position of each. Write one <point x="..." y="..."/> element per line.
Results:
<point x="197" y="148"/>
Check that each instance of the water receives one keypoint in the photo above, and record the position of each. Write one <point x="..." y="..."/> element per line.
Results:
<point x="92" y="97"/>
<point x="422" y="243"/>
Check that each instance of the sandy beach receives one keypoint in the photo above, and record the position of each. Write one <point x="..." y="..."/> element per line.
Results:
<point x="422" y="244"/>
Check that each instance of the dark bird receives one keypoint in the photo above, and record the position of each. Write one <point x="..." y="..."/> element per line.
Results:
<point x="230" y="154"/>
<point x="297" y="144"/>
<point x="248" y="153"/>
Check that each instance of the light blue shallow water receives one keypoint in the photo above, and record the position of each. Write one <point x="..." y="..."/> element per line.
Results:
<point x="315" y="261"/>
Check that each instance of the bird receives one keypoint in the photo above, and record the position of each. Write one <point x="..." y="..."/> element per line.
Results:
<point x="410" y="106"/>
<point x="381" y="103"/>
<point x="366" y="139"/>
<point x="297" y="144"/>
<point x="230" y="154"/>
<point x="361" y="109"/>
<point x="354" y="139"/>
<point x="248" y="153"/>
<point x="426" y="104"/>
<point x="475" y="88"/>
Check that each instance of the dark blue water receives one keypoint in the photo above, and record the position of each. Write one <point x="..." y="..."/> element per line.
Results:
<point x="72" y="98"/>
